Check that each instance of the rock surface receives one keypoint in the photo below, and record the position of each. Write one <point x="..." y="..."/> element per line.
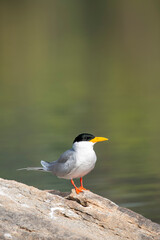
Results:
<point x="29" y="213"/>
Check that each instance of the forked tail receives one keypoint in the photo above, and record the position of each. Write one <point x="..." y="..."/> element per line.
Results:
<point x="45" y="167"/>
<point x="32" y="168"/>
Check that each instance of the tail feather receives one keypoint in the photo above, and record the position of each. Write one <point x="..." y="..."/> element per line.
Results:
<point x="32" y="168"/>
<point x="46" y="167"/>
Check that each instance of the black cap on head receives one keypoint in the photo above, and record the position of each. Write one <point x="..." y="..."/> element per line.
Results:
<point x="84" y="137"/>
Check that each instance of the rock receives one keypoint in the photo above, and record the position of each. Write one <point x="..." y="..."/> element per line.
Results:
<point x="29" y="213"/>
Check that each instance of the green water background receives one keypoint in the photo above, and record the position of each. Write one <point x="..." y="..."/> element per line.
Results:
<point x="68" y="67"/>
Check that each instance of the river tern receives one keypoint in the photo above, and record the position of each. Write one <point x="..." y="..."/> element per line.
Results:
<point x="75" y="162"/>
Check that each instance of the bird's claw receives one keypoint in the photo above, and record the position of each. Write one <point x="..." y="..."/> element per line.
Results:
<point x="81" y="189"/>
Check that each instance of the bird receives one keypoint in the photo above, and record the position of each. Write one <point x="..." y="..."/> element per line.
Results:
<point x="75" y="162"/>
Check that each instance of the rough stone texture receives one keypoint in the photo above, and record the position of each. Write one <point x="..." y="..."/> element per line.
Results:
<point x="29" y="213"/>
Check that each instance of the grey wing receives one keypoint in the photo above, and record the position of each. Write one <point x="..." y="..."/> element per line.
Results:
<point x="65" y="164"/>
<point x="66" y="156"/>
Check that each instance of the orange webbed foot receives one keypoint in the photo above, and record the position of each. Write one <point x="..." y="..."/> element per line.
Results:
<point x="78" y="190"/>
<point x="83" y="189"/>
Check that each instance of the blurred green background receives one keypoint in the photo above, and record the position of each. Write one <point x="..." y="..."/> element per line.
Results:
<point x="68" y="67"/>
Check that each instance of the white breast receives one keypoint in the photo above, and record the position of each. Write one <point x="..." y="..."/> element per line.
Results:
<point x="85" y="159"/>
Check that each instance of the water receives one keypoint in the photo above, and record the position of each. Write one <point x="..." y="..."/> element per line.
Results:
<point x="68" y="68"/>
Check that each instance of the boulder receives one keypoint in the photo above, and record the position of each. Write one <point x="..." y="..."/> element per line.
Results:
<point x="30" y="213"/>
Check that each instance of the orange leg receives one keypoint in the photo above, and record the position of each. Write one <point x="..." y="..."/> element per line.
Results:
<point x="81" y="187"/>
<point x="78" y="190"/>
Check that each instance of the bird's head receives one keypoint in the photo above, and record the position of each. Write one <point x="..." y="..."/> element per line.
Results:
<point x="88" y="139"/>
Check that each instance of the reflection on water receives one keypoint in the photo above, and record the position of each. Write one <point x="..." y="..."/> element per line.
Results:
<point x="67" y="68"/>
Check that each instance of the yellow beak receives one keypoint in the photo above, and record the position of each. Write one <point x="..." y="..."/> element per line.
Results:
<point x="98" y="139"/>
